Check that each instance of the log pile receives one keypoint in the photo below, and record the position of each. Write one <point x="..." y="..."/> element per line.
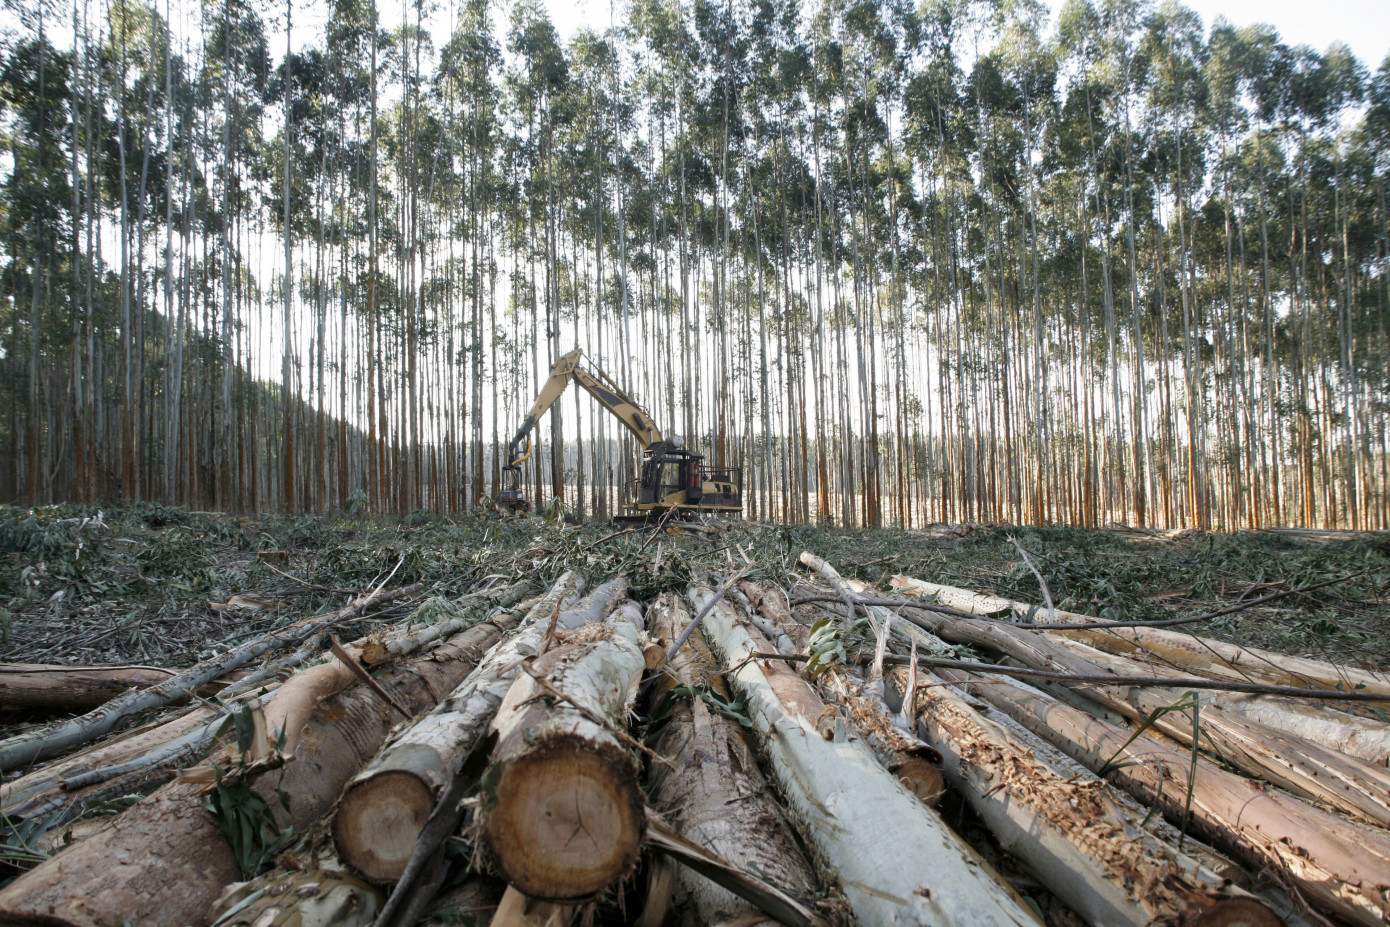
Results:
<point x="574" y="752"/>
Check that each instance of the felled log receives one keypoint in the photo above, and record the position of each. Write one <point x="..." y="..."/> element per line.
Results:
<point x="397" y="643"/>
<point x="385" y="807"/>
<point x="897" y="861"/>
<point x="303" y="692"/>
<point x="1187" y="651"/>
<point x="713" y="791"/>
<point x="24" y="795"/>
<point x="163" y="861"/>
<point x="1342" y="867"/>
<point x="32" y="745"/>
<point x="1305" y="768"/>
<point x="1068" y="833"/>
<point x="318" y="898"/>
<point x="563" y="813"/>
<point x="42" y="687"/>
<point x="1364" y="738"/>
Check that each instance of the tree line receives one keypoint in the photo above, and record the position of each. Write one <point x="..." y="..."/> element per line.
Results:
<point x="901" y="263"/>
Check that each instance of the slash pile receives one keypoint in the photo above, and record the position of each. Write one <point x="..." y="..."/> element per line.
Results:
<point x="593" y="750"/>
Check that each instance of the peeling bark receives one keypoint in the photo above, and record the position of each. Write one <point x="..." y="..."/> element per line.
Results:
<point x="1341" y="867"/>
<point x="714" y="794"/>
<point x="897" y="861"/>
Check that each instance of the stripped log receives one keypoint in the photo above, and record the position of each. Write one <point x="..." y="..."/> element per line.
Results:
<point x="385" y="807"/>
<point x="897" y="861"/>
<point x="44" y="687"/>
<point x="1301" y="766"/>
<point x="1068" y="832"/>
<point x="1364" y="738"/>
<point x="563" y="812"/>
<point x="713" y="792"/>
<point x="407" y="640"/>
<point x="1343" y="868"/>
<point x="32" y="745"/>
<point x="162" y="862"/>
<point x="1186" y="651"/>
<point x="298" y="899"/>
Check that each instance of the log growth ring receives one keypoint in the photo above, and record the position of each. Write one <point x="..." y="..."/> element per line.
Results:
<point x="376" y="827"/>
<point x="568" y="820"/>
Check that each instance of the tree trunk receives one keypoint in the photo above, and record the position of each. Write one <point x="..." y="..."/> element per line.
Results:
<point x="1342" y="867"/>
<point x="564" y="813"/>
<point x="1299" y="765"/>
<point x="386" y="806"/>
<point x="1068" y="833"/>
<point x="897" y="861"/>
<point x="1188" y="651"/>
<point x="713" y="792"/>
<point x="163" y="862"/>
<point x="1365" y="738"/>
<point x="39" y="687"/>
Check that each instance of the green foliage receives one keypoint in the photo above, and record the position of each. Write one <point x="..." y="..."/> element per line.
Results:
<point x="735" y="710"/>
<point x="830" y="642"/>
<point x="242" y="815"/>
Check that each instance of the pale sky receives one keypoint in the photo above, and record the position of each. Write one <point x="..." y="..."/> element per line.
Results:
<point x="1362" y="24"/>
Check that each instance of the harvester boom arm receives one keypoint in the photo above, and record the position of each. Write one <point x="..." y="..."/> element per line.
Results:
<point x="599" y="385"/>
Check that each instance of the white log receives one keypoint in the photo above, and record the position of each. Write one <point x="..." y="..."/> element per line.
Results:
<point x="1364" y="738"/>
<point x="898" y="862"/>
<point x="1069" y="833"/>
<point x="1197" y="654"/>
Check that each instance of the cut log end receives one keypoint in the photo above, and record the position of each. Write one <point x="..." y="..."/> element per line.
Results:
<point x="1238" y="912"/>
<point x="378" y="823"/>
<point x="921" y="777"/>
<point x="568" y="821"/>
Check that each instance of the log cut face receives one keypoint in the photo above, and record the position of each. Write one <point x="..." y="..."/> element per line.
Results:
<point x="563" y="809"/>
<point x="1070" y="833"/>
<point x="713" y="791"/>
<point x="386" y="805"/>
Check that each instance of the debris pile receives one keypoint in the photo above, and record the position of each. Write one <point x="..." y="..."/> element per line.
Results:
<point x="590" y="745"/>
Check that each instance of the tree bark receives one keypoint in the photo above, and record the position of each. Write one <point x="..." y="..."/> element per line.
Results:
<point x="563" y="810"/>
<point x="897" y="861"/>
<point x="713" y="792"/>
<point x="1342" y="867"/>
<point x="1068" y="833"/>
<point x="39" y="687"/>
<point x="386" y="806"/>
<point x="162" y="862"/>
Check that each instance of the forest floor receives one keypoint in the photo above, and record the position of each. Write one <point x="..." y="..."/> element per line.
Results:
<point x="151" y="584"/>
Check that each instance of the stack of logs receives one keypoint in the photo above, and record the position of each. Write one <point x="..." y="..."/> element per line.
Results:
<point x="720" y="756"/>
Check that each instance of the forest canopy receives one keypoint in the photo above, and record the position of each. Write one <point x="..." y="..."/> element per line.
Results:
<point x="903" y="263"/>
